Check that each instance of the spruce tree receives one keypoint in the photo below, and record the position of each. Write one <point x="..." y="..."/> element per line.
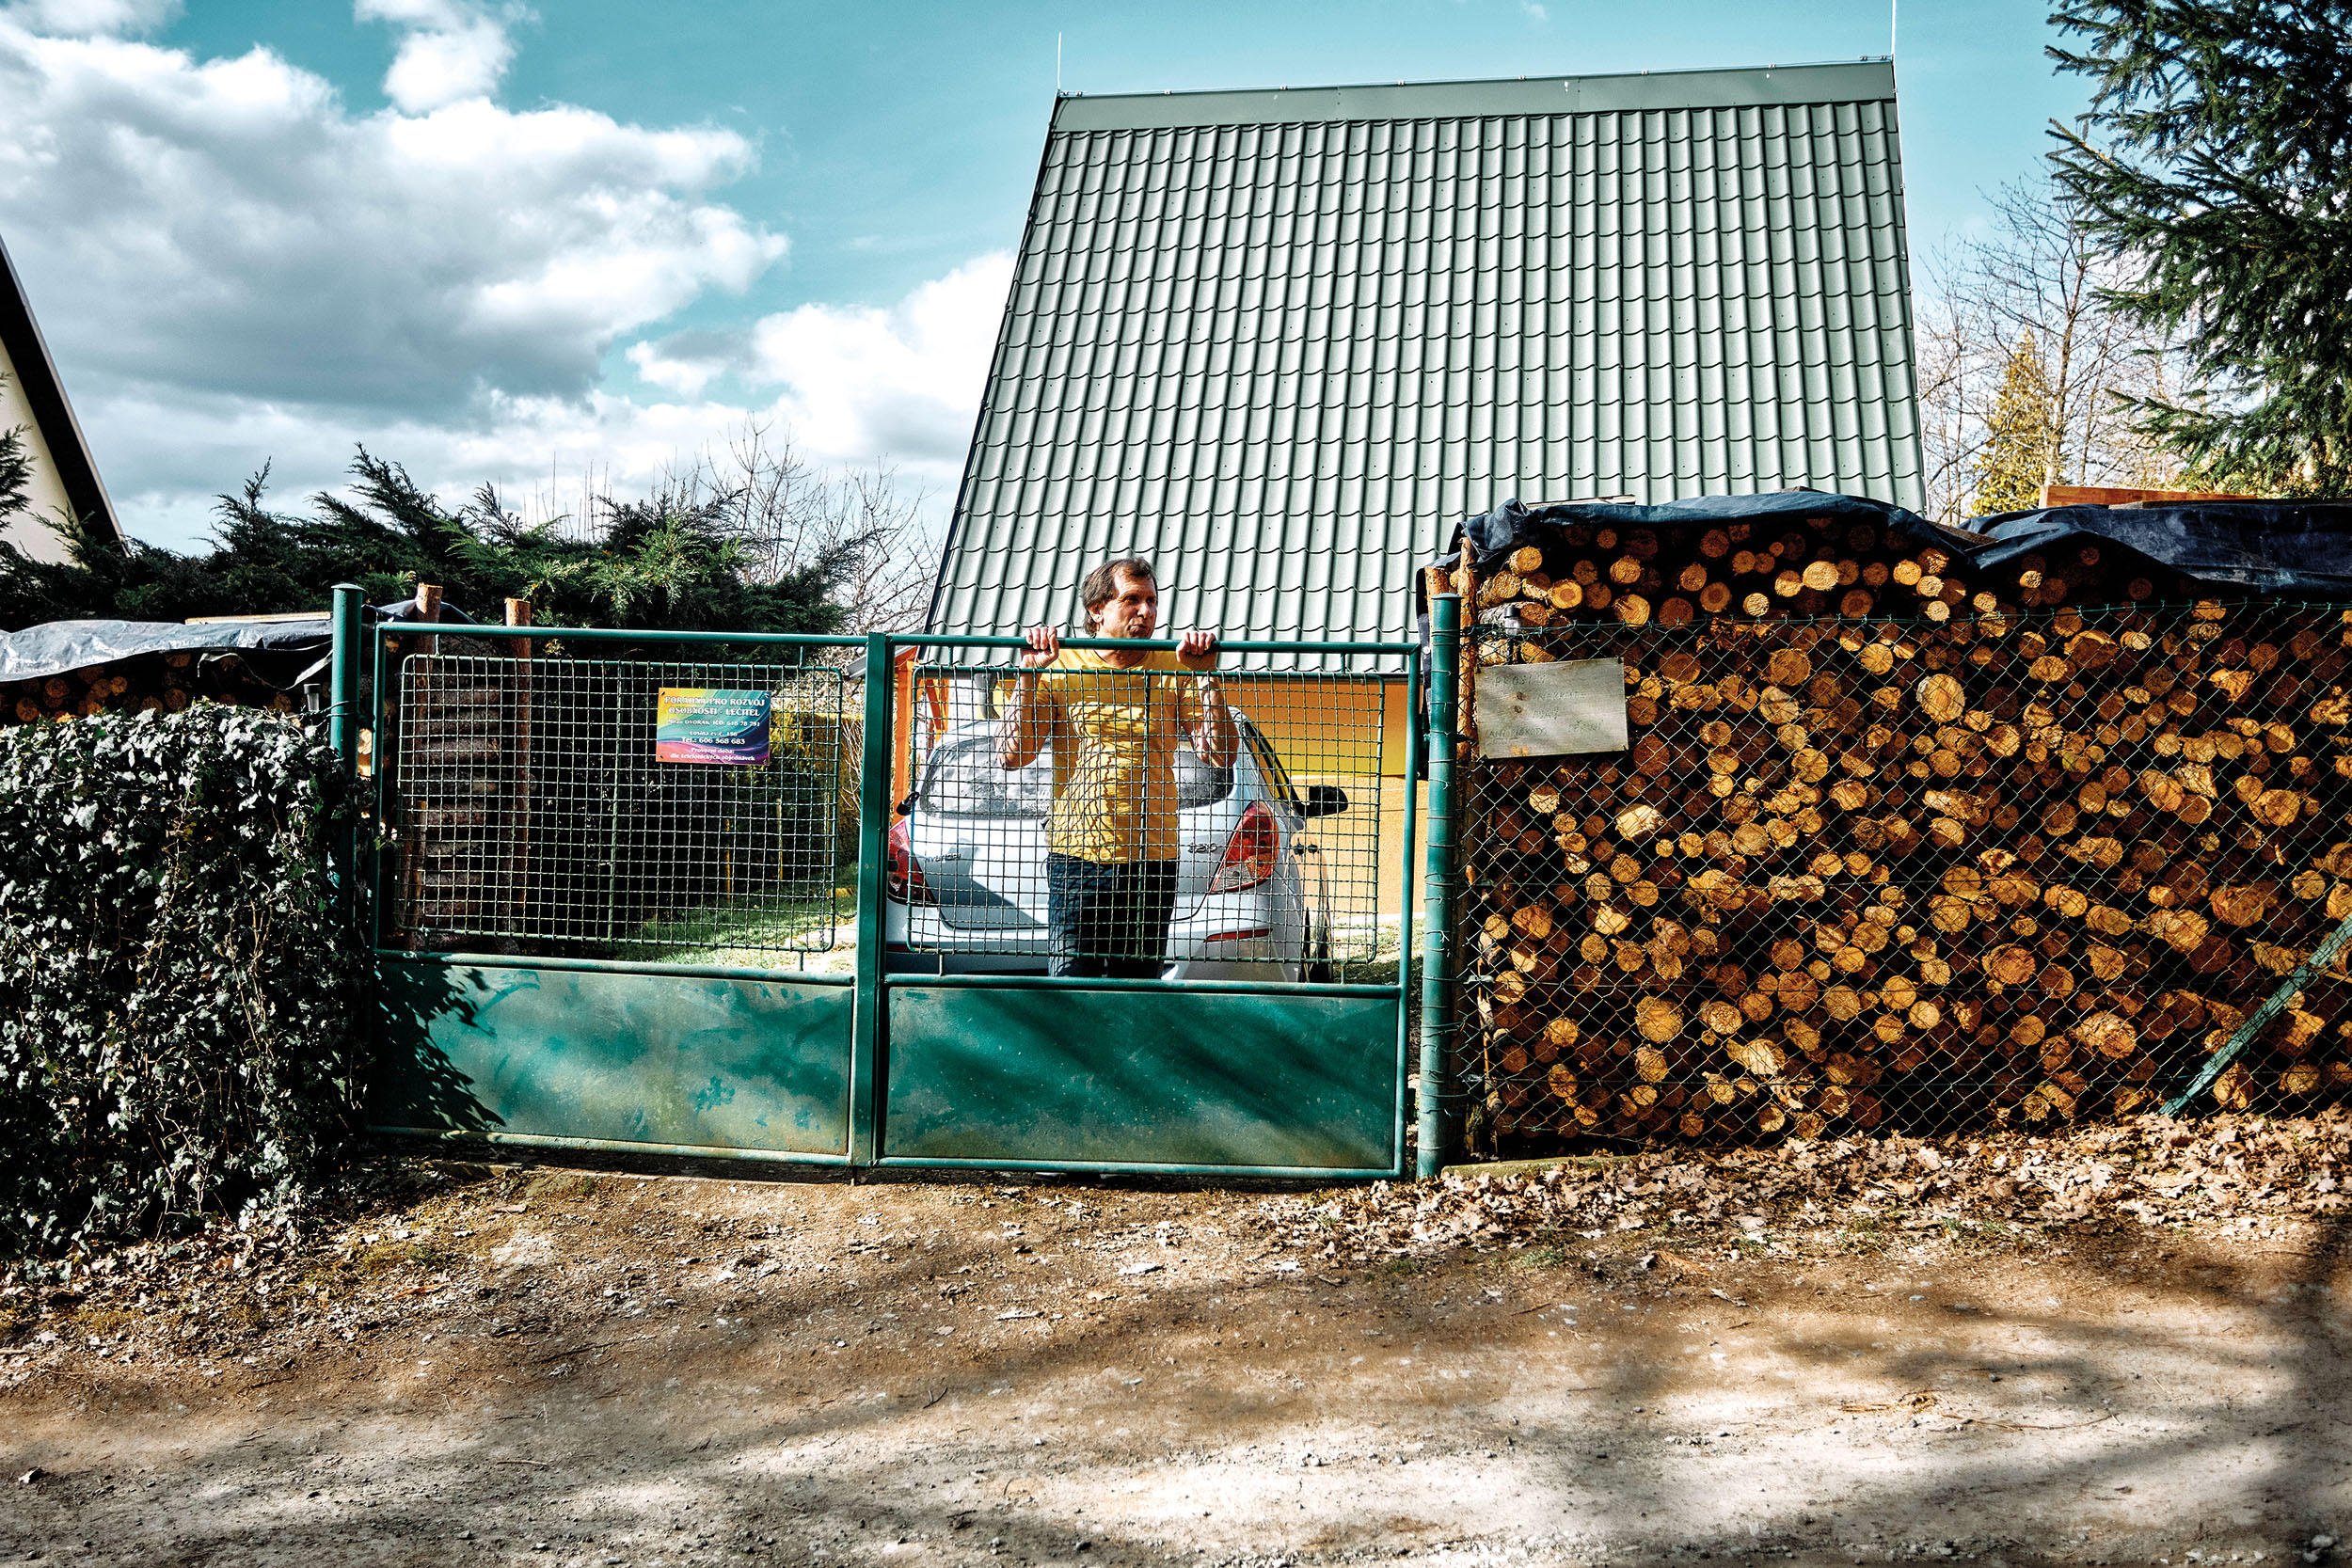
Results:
<point x="16" y="471"/>
<point x="16" y="474"/>
<point x="672" y="560"/>
<point x="2218" y="156"/>
<point x="2014" y="463"/>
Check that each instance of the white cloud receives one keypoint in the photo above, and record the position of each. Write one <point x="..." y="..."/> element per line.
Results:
<point x="686" y="362"/>
<point x="526" y="446"/>
<point x="905" y="380"/>
<point x="451" y="52"/>
<point x="230" y="224"/>
<point x="72" y="18"/>
<point x="855" y="385"/>
<point x="234" y="265"/>
<point x="844" y="387"/>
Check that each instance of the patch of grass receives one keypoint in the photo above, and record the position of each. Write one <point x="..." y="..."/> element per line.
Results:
<point x="394" y="1257"/>
<point x="767" y="937"/>
<point x="1364" y="952"/>
<point x="559" y="1184"/>
<point x="1402" y="1266"/>
<point x="246" y="1316"/>
<point x="1865" y="1237"/>
<point x="1381" y="972"/>
<point x="1985" y="1236"/>
<point x="1538" y="1257"/>
<point x="101" y="1321"/>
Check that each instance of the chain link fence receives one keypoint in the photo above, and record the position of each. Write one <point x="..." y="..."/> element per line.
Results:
<point x="1995" y="864"/>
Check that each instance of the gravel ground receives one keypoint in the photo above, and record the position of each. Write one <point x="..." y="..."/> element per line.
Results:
<point x="1613" y="1361"/>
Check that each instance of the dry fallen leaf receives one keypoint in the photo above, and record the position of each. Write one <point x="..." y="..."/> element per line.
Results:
<point x="2147" y="1169"/>
<point x="1913" y="1404"/>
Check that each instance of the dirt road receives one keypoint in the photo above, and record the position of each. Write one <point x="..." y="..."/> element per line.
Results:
<point x="551" y="1367"/>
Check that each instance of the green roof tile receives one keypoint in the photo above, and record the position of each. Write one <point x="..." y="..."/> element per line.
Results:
<point x="1281" y="340"/>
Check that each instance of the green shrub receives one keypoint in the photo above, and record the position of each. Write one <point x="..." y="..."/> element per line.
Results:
<point x="179" y="999"/>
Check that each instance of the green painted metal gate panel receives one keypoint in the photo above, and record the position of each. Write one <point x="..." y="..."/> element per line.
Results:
<point x="676" y="1060"/>
<point x="1168" y="1079"/>
<point x="772" y="1063"/>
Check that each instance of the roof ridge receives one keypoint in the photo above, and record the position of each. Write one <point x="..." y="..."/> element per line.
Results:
<point x="1486" y="81"/>
<point x="1738" y="86"/>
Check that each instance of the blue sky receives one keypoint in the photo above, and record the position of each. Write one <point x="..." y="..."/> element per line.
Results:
<point x="529" y="245"/>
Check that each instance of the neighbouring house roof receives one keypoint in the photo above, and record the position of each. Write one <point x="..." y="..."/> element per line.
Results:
<point x="1279" y="342"/>
<point x="33" y="397"/>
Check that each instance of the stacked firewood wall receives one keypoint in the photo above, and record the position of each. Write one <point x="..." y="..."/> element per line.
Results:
<point x="463" y="727"/>
<point x="463" y="819"/>
<point x="1891" y="847"/>
<point x="155" y="682"/>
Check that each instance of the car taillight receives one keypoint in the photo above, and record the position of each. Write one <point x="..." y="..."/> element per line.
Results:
<point x="906" y="884"/>
<point x="1249" y="854"/>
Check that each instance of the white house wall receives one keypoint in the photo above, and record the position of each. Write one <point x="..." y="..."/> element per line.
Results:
<point x="28" y="532"/>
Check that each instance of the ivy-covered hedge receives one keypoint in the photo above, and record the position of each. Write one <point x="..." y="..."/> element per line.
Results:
<point x="178" y="1004"/>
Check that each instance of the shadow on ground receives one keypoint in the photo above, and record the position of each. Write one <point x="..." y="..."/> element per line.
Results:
<point x="2120" y="1398"/>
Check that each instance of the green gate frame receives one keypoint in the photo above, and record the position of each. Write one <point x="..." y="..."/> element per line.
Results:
<point x="867" y="1069"/>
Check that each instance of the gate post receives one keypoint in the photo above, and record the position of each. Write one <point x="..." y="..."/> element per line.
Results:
<point x="1436" y="938"/>
<point x="873" y="828"/>
<point x="343" y="727"/>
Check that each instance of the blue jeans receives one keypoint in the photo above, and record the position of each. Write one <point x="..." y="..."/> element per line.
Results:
<point x="1109" y="922"/>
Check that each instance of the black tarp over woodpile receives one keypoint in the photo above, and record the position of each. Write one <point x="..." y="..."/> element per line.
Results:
<point x="1914" y="828"/>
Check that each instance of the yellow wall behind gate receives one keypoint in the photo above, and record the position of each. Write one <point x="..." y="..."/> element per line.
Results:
<point x="1327" y="724"/>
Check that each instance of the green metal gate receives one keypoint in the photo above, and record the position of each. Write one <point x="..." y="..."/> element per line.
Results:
<point x="583" y="939"/>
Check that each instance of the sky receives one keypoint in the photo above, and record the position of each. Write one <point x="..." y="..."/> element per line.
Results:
<point x="573" y="247"/>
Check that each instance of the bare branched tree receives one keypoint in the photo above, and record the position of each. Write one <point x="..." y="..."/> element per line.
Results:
<point x="787" y="513"/>
<point x="2035" y="278"/>
<point x="792" y="514"/>
<point x="1953" y="399"/>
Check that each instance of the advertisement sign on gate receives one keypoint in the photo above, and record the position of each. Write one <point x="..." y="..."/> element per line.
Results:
<point x="704" y="724"/>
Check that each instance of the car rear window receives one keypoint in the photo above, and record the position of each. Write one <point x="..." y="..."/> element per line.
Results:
<point x="1277" y="778"/>
<point x="1198" y="783"/>
<point x="964" y="780"/>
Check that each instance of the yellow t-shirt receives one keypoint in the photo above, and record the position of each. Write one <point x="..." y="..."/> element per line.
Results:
<point x="1113" y="732"/>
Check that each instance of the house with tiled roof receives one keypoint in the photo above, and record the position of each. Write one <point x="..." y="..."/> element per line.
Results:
<point x="63" y="479"/>
<point x="1282" y="341"/>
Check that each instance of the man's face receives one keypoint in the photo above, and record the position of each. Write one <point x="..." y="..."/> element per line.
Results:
<point x="1133" y="611"/>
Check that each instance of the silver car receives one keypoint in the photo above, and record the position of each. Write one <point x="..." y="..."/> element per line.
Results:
<point x="966" y="873"/>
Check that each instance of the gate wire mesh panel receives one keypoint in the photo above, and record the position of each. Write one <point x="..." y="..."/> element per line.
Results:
<point x="539" y="812"/>
<point x="1091" y="821"/>
<point x="2009" y="869"/>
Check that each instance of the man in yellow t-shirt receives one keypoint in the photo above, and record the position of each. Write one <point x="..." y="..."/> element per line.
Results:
<point x="1113" y="720"/>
